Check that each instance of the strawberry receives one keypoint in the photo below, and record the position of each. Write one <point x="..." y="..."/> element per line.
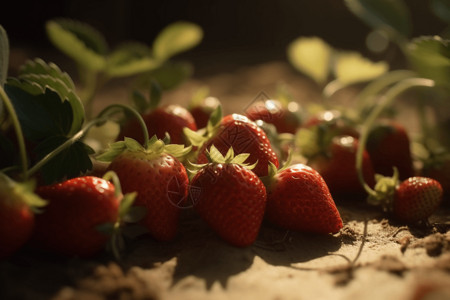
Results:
<point x="244" y="136"/>
<point x="158" y="177"/>
<point x="416" y="198"/>
<point x="76" y="208"/>
<point x="17" y="219"/>
<point x="229" y="197"/>
<point x="299" y="199"/>
<point x="338" y="167"/>
<point x="388" y="145"/>
<point x="167" y="118"/>
<point x="285" y="118"/>
<point x="437" y="166"/>
<point x="202" y="110"/>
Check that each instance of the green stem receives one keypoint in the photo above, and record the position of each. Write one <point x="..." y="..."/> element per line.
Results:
<point x="332" y="88"/>
<point x="112" y="176"/>
<point x="18" y="130"/>
<point x="385" y="101"/>
<point x="76" y="137"/>
<point x="135" y="113"/>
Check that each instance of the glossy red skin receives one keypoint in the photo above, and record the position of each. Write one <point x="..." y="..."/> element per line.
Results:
<point x="273" y="112"/>
<point x="244" y="136"/>
<point x="417" y="198"/>
<point x="161" y="183"/>
<point x="339" y="168"/>
<point x="388" y="146"/>
<point x="231" y="199"/>
<point x="168" y="118"/>
<point x="75" y="209"/>
<point x="299" y="199"/>
<point x="16" y="225"/>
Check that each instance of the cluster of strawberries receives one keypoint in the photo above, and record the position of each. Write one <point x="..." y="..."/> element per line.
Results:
<point x="233" y="170"/>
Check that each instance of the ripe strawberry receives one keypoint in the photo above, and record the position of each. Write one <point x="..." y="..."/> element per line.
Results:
<point x="285" y="118"/>
<point x="158" y="177"/>
<point x="168" y="118"/>
<point x="338" y="167"/>
<point x="388" y="145"/>
<point x="202" y="110"/>
<point x="17" y="202"/>
<point x="416" y="198"/>
<point x="76" y="208"/>
<point x="229" y="197"/>
<point x="299" y="199"/>
<point x="244" y="136"/>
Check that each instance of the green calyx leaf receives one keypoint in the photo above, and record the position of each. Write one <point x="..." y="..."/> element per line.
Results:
<point x="430" y="57"/>
<point x="199" y="137"/>
<point x="155" y="146"/>
<point x="36" y="77"/>
<point x="4" y="55"/>
<point x="176" y="38"/>
<point x="384" y="191"/>
<point x="215" y="156"/>
<point x="79" y="41"/>
<point x="22" y="192"/>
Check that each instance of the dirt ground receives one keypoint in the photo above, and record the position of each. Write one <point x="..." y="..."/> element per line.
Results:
<point x="371" y="258"/>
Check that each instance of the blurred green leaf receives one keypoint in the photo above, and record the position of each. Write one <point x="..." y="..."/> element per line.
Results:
<point x="430" y="57"/>
<point x="130" y="59"/>
<point x="351" y="67"/>
<point x="4" y="55"/>
<point x="36" y="77"/>
<point x="391" y="16"/>
<point x="175" y="38"/>
<point x="171" y="74"/>
<point x="311" y="56"/>
<point x="441" y="8"/>
<point x="79" y="41"/>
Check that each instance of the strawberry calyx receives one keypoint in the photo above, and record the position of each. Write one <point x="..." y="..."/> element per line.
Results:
<point x="155" y="147"/>
<point x="17" y="193"/>
<point x="199" y="137"/>
<point x="384" y="191"/>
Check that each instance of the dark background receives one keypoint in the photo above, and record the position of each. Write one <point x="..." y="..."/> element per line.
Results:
<point x="236" y="32"/>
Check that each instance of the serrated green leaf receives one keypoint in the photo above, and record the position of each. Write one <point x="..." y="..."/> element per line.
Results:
<point x="195" y="138"/>
<point x="71" y="162"/>
<point x="176" y="38"/>
<point x="36" y="76"/>
<point x="391" y="16"/>
<point x="177" y="150"/>
<point x="132" y="144"/>
<point x="351" y="67"/>
<point x="4" y="55"/>
<point x="130" y="59"/>
<point x="112" y="152"/>
<point x="441" y="8"/>
<point x="214" y="155"/>
<point x="40" y="115"/>
<point x="311" y="56"/>
<point x="430" y="57"/>
<point x="79" y="41"/>
<point x="240" y="158"/>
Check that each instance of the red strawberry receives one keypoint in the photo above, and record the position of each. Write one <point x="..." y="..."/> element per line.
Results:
<point x="229" y="197"/>
<point x="202" y="111"/>
<point x="298" y="199"/>
<point x="76" y="208"/>
<point x="437" y="166"/>
<point x="16" y="216"/>
<point x="168" y="118"/>
<point x="338" y="167"/>
<point x="285" y="118"/>
<point x="158" y="177"/>
<point x="244" y="136"/>
<point x="388" y="145"/>
<point x="416" y="198"/>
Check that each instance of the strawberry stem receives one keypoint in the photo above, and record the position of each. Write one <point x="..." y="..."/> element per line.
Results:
<point x="112" y="176"/>
<point x="385" y="101"/>
<point x="18" y="130"/>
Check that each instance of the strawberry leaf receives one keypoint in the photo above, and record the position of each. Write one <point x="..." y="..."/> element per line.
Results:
<point x="4" y="55"/>
<point x="176" y="38"/>
<point x="130" y="59"/>
<point x="71" y="162"/>
<point x="311" y="56"/>
<point x="391" y="16"/>
<point x="172" y="74"/>
<point x="430" y="57"/>
<point x="79" y="41"/>
<point x="351" y="67"/>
